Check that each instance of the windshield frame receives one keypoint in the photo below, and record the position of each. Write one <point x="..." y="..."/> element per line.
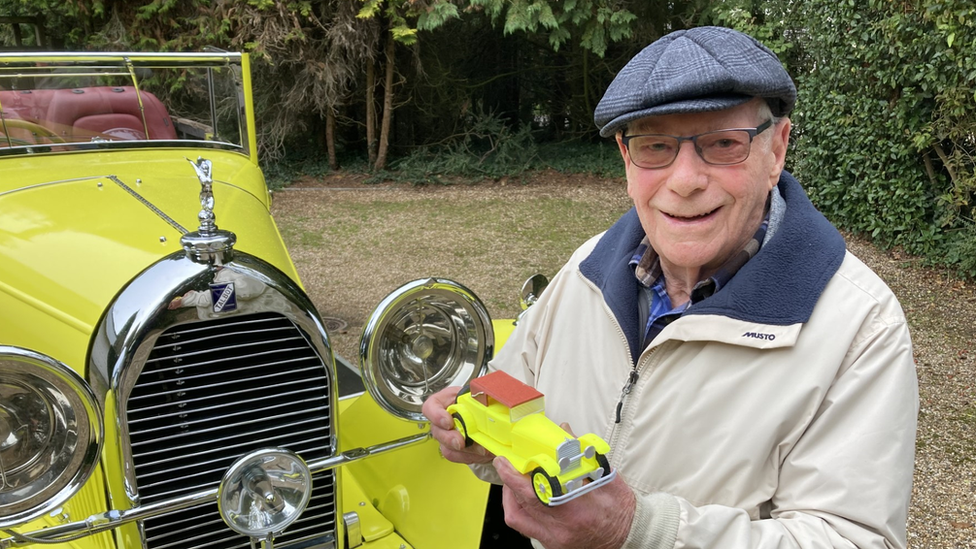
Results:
<point x="18" y="70"/>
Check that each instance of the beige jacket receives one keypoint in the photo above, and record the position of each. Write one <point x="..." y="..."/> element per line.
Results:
<point x="741" y="433"/>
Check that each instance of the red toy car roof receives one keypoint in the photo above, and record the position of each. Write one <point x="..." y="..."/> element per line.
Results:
<point x="504" y="388"/>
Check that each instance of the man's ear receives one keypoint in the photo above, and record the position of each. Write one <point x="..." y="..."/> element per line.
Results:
<point x="623" y="148"/>
<point x="778" y="147"/>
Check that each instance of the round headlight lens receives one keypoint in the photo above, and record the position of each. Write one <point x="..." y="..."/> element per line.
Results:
<point x="427" y="335"/>
<point x="50" y="434"/>
<point x="264" y="491"/>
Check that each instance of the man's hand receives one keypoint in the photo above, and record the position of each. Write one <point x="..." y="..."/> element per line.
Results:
<point x="597" y="520"/>
<point x="442" y="429"/>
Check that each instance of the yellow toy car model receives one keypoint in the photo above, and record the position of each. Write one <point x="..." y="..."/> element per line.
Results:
<point x="507" y="417"/>
<point x="165" y="381"/>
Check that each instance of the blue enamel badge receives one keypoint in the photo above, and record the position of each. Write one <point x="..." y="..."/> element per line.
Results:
<point x="223" y="297"/>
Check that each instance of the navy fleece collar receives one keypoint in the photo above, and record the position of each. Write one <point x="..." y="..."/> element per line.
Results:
<point x="779" y="286"/>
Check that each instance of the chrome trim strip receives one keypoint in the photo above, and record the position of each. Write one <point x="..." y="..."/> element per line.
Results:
<point x="224" y="348"/>
<point x="118" y="57"/>
<point x="95" y="178"/>
<point x="172" y="222"/>
<point x="58" y="182"/>
<point x="112" y="519"/>
<point x="228" y="393"/>
<point x="251" y="421"/>
<point x="199" y="454"/>
<point x="171" y="448"/>
<point x="116" y="145"/>
<point x="278" y="395"/>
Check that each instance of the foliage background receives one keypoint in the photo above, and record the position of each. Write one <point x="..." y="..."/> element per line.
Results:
<point x="884" y="136"/>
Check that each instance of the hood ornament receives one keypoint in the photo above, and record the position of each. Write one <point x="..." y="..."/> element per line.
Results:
<point x="208" y="244"/>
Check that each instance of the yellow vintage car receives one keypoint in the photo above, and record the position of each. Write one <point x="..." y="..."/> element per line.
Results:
<point x="165" y="381"/>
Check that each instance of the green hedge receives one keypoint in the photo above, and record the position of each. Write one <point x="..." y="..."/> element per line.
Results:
<point x="886" y="132"/>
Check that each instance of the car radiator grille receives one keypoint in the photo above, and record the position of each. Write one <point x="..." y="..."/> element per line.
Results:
<point x="212" y="391"/>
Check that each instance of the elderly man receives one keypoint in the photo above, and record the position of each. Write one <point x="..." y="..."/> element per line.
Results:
<point x="754" y="380"/>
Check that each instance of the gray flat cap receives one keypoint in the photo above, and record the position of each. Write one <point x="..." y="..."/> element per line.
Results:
<point x="695" y="70"/>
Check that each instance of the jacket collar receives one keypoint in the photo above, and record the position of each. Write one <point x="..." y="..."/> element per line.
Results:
<point x="779" y="286"/>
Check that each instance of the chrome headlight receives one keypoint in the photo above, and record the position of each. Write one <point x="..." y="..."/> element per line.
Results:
<point x="263" y="492"/>
<point x="427" y="335"/>
<point x="50" y="434"/>
<point x="532" y="288"/>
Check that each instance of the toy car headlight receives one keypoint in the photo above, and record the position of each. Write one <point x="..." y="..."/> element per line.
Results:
<point x="50" y="434"/>
<point x="264" y="491"/>
<point x="425" y="336"/>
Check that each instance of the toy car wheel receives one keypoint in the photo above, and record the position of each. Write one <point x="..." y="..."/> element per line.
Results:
<point x="464" y="390"/>
<point x="546" y="487"/>
<point x="602" y="461"/>
<point x="462" y="428"/>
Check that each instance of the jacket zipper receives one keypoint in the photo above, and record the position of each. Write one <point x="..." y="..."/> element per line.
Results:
<point x="642" y="363"/>
<point x="631" y="380"/>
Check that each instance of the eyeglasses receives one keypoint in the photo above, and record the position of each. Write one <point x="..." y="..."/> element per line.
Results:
<point x="719" y="148"/>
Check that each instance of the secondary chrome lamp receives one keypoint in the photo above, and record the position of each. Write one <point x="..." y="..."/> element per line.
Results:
<point x="426" y="335"/>
<point x="263" y="492"/>
<point x="50" y="434"/>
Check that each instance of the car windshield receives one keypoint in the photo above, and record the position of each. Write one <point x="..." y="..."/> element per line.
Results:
<point x="64" y="102"/>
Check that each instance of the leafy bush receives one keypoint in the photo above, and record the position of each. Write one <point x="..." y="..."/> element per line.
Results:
<point x="601" y="158"/>
<point x="488" y="147"/>
<point x="305" y="161"/>
<point x="886" y="134"/>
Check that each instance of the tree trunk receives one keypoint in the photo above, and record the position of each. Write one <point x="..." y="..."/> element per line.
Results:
<point x="946" y="163"/>
<point x="330" y="139"/>
<point x="370" y="113"/>
<point x="384" y="145"/>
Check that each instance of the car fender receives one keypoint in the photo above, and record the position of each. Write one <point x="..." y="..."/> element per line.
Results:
<point x="546" y="462"/>
<point x="596" y="442"/>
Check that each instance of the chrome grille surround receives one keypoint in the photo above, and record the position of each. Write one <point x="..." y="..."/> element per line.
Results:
<point x="190" y="391"/>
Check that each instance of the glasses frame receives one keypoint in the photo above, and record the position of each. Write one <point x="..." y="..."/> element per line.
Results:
<point x="753" y="132"/>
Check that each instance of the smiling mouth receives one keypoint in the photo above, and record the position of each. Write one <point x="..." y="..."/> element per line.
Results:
<point x="690" y="217"/>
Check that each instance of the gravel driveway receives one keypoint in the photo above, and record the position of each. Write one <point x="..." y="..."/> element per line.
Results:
<point x="353" y="244"/>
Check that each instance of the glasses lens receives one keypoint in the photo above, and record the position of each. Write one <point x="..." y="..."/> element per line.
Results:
<point x="653" y="151"/>
<point x="724" y="147"/>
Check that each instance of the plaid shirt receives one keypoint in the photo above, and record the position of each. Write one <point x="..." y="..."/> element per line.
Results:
<point x="647" y="269"/>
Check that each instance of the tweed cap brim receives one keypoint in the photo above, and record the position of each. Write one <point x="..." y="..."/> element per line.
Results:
<point x="703" y="69"/>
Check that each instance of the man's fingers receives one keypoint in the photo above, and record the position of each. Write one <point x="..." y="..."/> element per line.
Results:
<point x="523" y="510"/>
<point x="515" y="515"/>
<point x="505" y="470"/>
<point x="520" y="486"/>
<point x="442" y="429"/>
<point x="435" y="408"/>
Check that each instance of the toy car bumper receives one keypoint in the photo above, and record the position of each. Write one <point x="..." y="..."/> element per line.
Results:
<point x="576" y="488"/>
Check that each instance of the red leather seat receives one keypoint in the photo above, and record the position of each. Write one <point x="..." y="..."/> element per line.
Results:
<point x="82" y="113"/>
<point x="27" y="105"/>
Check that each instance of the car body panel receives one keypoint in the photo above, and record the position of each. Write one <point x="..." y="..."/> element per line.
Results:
<point x="89" y="500"/>
<point x="404" y="487"/>
<point x="503" y="329"/>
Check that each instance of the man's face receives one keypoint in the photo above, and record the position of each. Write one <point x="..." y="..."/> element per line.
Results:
<point x="697" y="215"/>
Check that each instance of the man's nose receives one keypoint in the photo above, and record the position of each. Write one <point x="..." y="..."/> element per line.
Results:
<point x="687" y="174"/>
